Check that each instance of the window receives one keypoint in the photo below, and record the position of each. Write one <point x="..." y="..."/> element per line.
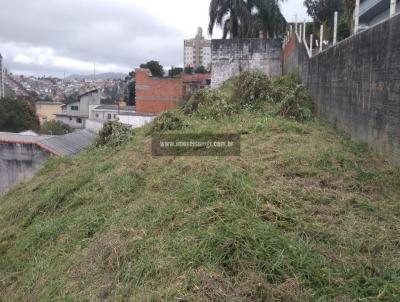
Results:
<point x="115" y="116"/>
<point x="97" y="116"/>
<point x="109" y="116"/>
<point x="79" y="120"/>
<point x="75" y="108"/>
<point x="70" y="118"/>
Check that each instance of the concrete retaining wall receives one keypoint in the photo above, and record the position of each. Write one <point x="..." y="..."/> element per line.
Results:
<point x="19" y="162"/>
<point x="232" y="56"/>
<point x="356" y="84"/>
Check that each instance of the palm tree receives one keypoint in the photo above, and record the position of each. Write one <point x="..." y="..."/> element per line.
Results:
<point x="246" y="18"/>
<point x="231" y="15"/>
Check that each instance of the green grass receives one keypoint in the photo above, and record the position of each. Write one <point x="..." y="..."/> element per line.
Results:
<point x="303" y="215"/>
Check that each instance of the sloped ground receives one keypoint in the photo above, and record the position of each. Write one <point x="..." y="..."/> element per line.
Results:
<point x="303" y="215"/>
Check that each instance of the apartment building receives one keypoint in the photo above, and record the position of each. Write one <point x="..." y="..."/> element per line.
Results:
<point x="197" y="51"/>
<point x="372" y="12"/>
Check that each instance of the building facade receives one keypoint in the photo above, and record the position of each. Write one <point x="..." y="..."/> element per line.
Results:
<point x="156" y="95"/>
<point x="2" y="79"/>
<point x="47" y="111"/>
<point x="197" y="51"/>
<point x="109" y="112"/>
<point x="76" y="114"/>
<point x="372" y="12"/>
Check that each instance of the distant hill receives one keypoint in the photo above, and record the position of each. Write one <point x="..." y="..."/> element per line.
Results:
<point x="102" y="76"/>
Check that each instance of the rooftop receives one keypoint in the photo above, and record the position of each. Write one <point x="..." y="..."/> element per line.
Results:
<point x="116" y="107"/>
<point x="63" y="145"/>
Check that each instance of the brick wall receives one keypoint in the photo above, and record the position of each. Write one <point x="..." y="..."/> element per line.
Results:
<point x="156" y="95"/>
<point x="356" y="85"/>
<point x="194" y="82"/>
<point x="232" y="56"/>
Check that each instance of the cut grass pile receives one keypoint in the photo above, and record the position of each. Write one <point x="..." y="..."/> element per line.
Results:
<point x="303" y="215"/>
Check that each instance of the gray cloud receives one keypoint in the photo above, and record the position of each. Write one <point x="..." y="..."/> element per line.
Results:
<point x="117" y="33"/>
<point x="51" y="36"/>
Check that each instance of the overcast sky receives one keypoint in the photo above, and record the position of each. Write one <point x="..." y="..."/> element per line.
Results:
<point x="48" y="37"/>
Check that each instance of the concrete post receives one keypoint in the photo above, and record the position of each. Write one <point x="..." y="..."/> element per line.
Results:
<point x="311" y="43"/>
<point x="321" y="37"/>
<point x="357" y="16"/>
<point x="335" y="29"/>
<point x="300" y="31"/>
<point x="392" y="7"/>
<point x="304" y="31"/>
<point x="291" y="30"/>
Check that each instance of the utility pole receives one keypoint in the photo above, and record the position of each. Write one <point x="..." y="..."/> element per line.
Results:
<point x="94" y="71"/>
<point x="2" y="78"/>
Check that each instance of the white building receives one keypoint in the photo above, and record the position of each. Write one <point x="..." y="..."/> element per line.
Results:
<point x="109" y="112"/>
<point x="372" y="12"/>
<point x="197" y="51"/>
<point x="76" y="114"/>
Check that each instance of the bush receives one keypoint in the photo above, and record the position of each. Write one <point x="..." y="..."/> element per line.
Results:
<point x="113" y="134"/>
<point x="252" y="89"/>
<point x="297" y="104"/>
<point x="17" y="115"/>
<point x="202" y="97"/>
<point x="209" y="104"/>
<point x="55" y="128"/>
<point x="169" y="120"/>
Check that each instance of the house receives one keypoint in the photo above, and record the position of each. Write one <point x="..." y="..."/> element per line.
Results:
<point x="109" y="112"/>
<point x="156" y="95"/>
<point x="76" y="114"/>
<point x="47" y="111"/>
<point x="372" y="12"/>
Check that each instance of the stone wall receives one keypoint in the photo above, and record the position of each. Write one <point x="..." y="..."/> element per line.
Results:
<point x="232" y="56"/>
<point x="356" y="84"/>
<point x="19" y="162"/>
<point x="155" y="95"/>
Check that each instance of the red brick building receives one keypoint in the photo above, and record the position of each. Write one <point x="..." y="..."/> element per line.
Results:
<point x="193" y="82"/>
<point x="156" y="95"/>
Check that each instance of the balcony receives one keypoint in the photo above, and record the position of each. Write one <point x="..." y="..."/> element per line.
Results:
<point x="372" y="8"/>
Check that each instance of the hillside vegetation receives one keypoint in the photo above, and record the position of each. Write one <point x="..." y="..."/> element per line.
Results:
<point x="304" y="214"/>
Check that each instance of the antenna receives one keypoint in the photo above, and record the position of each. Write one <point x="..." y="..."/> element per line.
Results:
<point x="94" y="70"/>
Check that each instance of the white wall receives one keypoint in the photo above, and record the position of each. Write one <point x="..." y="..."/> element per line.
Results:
<point x="135" y="121"/>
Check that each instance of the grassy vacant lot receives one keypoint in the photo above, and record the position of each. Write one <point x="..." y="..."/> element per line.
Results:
<point x="303" y="215"/>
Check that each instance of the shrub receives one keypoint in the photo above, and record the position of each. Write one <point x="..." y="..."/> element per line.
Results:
<point x="209" y="104"/>
<point x="252" y="89"/>
<point x="202" y="97"/>
<point x="169" y="120"/>
<point x="114" y="134"/>
<point x="55" y="128"/>
<point x="297" y="104"/>
<point x="17" y="115"/>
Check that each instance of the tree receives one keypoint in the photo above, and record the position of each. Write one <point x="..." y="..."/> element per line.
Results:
<point x="188" y="70"/>
<point x="246" y="18"/>
<point x="55" y="128"/>
<point x="130" y="76"/>
<point x="200" y="69"/>
<point x="131" y="91"/>
<point x="174" y="71"/>
<point x="322" y="12"/>
<point x="156" y="69"/>
<point x="17" y="115"/>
